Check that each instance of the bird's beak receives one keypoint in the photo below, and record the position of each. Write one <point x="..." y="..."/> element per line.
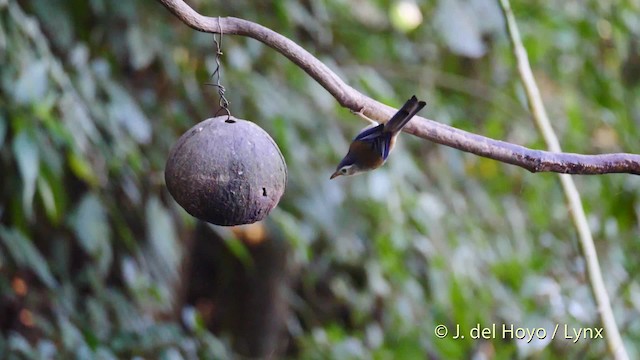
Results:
<point x="335" y="174"/>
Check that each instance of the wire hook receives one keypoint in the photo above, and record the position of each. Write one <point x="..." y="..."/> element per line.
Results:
<point x="217" y="73"/>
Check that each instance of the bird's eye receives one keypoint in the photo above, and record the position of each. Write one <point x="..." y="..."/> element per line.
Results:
<point x="343" y="170"/>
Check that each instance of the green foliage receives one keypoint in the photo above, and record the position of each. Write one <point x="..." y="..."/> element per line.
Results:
<point x="93" y="95"/>
<point x="26" y="255"/>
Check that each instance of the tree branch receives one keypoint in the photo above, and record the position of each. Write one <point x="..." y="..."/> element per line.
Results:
<point x="532" y="160"/>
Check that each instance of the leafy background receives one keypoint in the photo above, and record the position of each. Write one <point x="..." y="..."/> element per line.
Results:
<point x="98" y="261"/>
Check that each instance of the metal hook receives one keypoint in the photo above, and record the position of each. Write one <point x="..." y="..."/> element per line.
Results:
<point x="223" y="103"/>
<point x="229" y="120"/>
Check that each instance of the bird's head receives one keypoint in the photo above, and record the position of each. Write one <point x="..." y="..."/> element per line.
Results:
<point x="346" y="167"/>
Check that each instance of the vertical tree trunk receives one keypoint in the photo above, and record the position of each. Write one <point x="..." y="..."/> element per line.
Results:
<point x="244" y="299"/>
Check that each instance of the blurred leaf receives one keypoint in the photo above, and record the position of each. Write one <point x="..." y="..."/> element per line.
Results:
<point x="32" y="83"/>
<point x="3" y="45"/>
<point x="126" y="112"/>
<point x="71" y="336"/>
<point x="46" y="194"/>
<point x="462" y="25"/>
<point x="163" y="238"/>
<point x="17" y="344"/>
<point x="3" y="129"/>
<point x="82" y="169"/>
<point x="53" y="185"/>
<point x="214" y="348"/>
<point x="78" y="121"/>
<point x="89" y="222"/>
<point x="79" y="57"/>
<point x="104" y="353"/>
<point x="101" y="324"/>
<point x="235" y="245"/>
<point x="141" y="47"/>
<point x="376" y="84"/>
<point x="57" y="19"/>
<point x="239" y="250"/>
<point x="25" y="150"/>
<point x="171" y="354"/>
<point x="25" y="254"/>
<point x="47" y="349"/>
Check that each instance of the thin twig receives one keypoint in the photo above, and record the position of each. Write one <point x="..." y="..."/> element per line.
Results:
<point x="612" y="334"/>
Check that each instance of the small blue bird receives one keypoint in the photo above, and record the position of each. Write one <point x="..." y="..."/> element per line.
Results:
<point x="370" y="149"/>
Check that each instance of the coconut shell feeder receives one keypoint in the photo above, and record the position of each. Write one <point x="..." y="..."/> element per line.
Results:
<point x="226" y="171"/>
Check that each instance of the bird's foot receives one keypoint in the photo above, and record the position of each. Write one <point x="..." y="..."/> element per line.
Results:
<point x="361" y="114"/>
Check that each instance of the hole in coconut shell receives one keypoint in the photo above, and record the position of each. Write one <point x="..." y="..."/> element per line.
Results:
<point x="264" y="191"/>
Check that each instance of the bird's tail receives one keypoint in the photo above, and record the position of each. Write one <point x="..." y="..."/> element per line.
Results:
<point x="402" y="117"/>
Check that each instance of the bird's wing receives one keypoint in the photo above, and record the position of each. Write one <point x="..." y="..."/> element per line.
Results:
<point x="382" y="145"/>
<point x="377" y="139"/>
<point x="371" y="133"/>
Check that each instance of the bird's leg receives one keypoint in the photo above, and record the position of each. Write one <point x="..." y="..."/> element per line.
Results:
<point x="361" y="114"/>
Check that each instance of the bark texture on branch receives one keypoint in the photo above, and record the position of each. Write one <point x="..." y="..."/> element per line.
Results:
<point x="347" y="96"/>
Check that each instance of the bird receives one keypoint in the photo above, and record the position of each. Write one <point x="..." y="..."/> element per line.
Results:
<point x="371" y="147"/>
